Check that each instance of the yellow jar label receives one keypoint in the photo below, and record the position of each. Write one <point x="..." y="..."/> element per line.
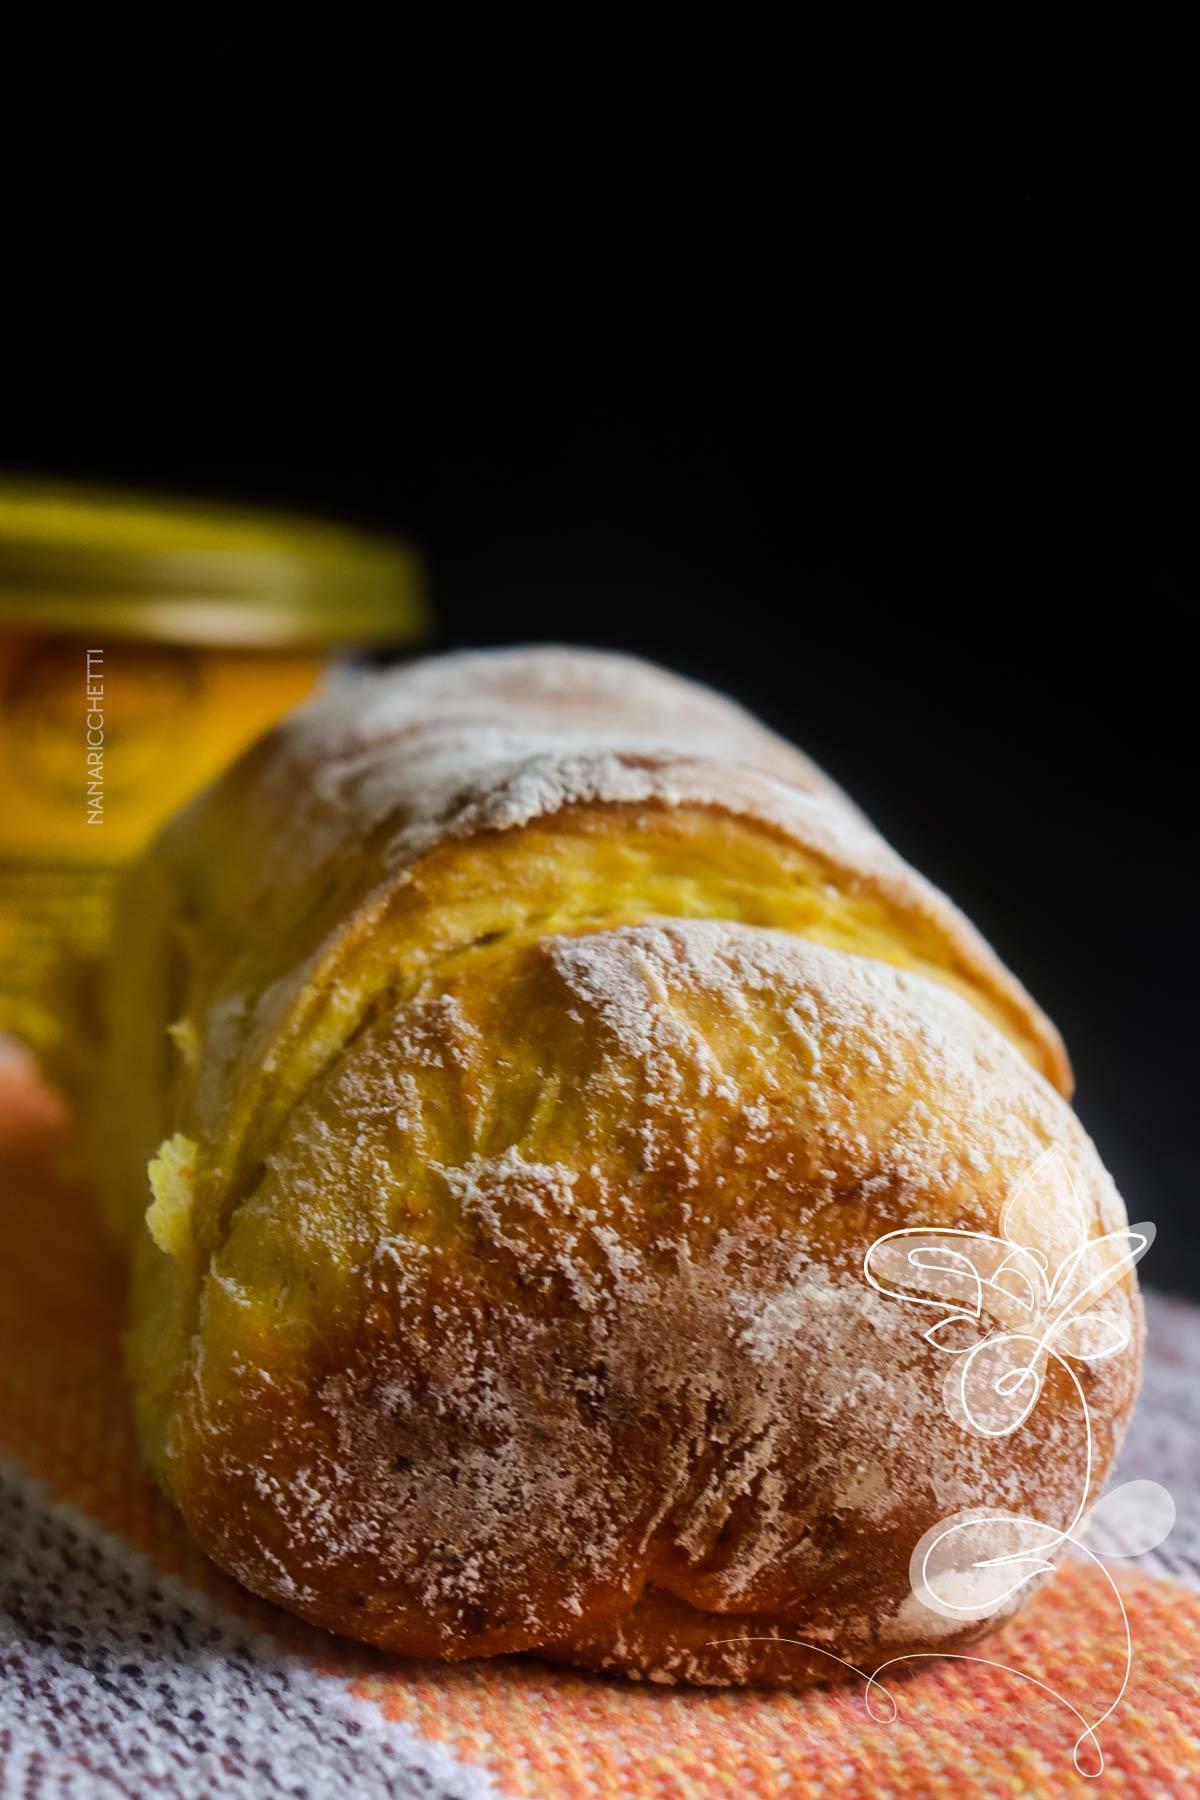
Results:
<point x="99" y="743"/>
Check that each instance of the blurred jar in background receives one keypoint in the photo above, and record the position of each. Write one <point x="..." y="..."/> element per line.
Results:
<point x="143" y="644"/>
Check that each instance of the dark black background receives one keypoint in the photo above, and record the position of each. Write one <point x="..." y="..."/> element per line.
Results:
<point x="975" y="611"/>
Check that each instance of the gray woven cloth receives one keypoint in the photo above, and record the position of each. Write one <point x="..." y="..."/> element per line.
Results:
<point x="117" y="1681"/>
<point x="1163" y="1442"/>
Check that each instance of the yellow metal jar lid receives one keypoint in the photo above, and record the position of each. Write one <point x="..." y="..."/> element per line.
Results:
<point x="83" y="561"/>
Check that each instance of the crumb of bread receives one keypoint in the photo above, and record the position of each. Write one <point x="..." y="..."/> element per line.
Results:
<point x="186" y="1039"/>
<point x="172" y="1181"/>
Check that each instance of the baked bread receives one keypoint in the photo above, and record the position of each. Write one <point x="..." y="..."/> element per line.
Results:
<point x="529" y="1049"/>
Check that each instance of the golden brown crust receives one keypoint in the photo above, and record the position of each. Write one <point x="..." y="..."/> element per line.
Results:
<point x="503" y="1362"/>
<point x="517" y="1297"/>
<point x="242" y="916"/>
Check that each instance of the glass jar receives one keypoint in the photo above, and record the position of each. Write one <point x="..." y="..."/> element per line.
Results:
<point x="143" y="644"/>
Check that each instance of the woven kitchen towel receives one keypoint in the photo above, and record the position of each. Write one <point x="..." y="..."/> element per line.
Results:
<point x="132" y="1666"/>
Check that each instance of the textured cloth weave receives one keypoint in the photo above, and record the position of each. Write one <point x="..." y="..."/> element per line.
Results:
<point x="132" y="1666"/>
